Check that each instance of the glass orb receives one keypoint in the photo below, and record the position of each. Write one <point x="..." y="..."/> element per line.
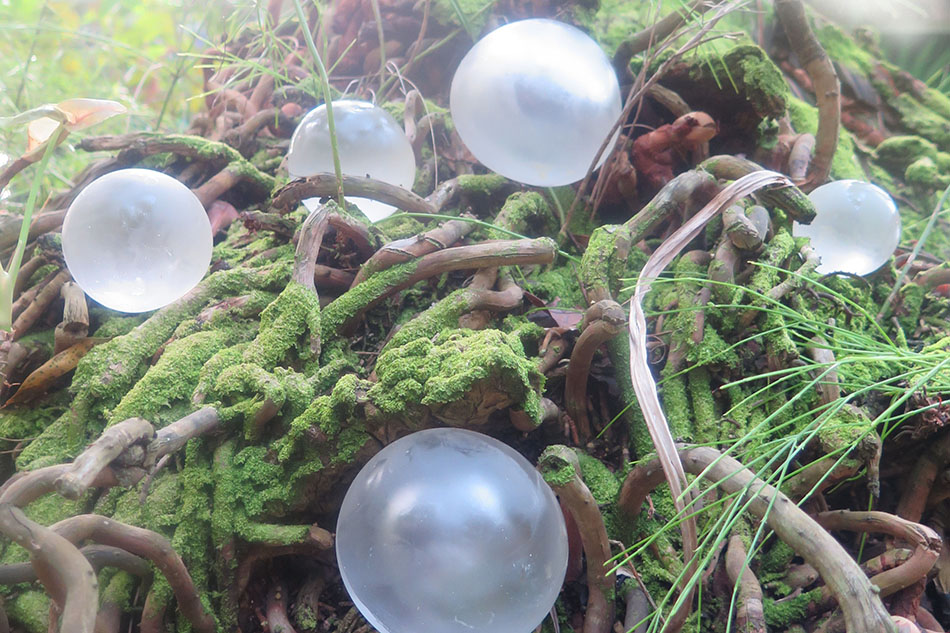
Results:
<point x="856" y="229"/>
<point x="370" y="143"/>
<point x="534" y="100"/>
<point x="136" y="240"/>
<point x="451" y="531"/>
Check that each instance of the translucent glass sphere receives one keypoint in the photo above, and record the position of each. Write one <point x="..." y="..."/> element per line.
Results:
<point x="856" y="229"/>
<point x="136" y="240"/>
<point x="534" y="100"/>
<point x="451" y="531"/>
<point x="370" y="143"/>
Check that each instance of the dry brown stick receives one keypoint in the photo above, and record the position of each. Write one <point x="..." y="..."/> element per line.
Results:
<point x="863" y="610"/>
<point x="577" y="498"/>
<point x="819" y="475"/>
<point x="321" y="185"/>
<point x="217" y="185"/>
<point x="174" y="436"/>
<point x="445" y="193"/>
<point x="327" y="277"/>
<point x="153" y="614"/>
<point x="27" y="297"/>
<point x="816" y="63"/>
<point x="66" y="574"/>
<point x="87" y="466"/>
<point x="926" y="542"/>
<point x="355" y="231"/>
<point x="483" y="280"/>
<point x="484" y="255"/>
<point x="750" y="613"/>
<point x="99" y="556"/>
<point x="920" y="481"/>
<point x="26" y="272"/>
<point x="44" y="298"/>
<point x="828" y="389"/>
<point x="75" y="324"/>
<point x="147" y="544"/>
<point x="276" y="608"/>
<point x="410" y="248"/>
<point x="602" y="321"/>
<point x="800" y="157"/>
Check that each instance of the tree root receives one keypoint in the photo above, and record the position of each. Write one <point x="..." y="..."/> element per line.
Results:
<point x="862" y="608"/>
<point x="341" y="315"/>
<point x="560" y="468"/>
<point x="825" y="82"/>
<point x="750" y="614"/>
<point x="99" y="556"/>
<point x="321" y="185"/>
<point x="147" y="544"/>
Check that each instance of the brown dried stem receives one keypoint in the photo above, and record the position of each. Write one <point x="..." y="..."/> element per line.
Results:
<point x="147" y="544"/>
<point x="485" y="255"/>
<point x="603" y="321"/>
<point x="577" y="498"/>
<point x="750" y="614"/>
<point x="75" y="324"/>
<point x="323" y="185"/>
<point x="410" y="248"/>
<point x="816" y="63"/>
<point x="863" y="610"/>
<point x="276" y="608"/>
<point x="99" y="556"/>
<point x="43" y="299"/>
<point x="926" y="542"/>
<point x="66" y="574"/>
<point x="87" y="466"/>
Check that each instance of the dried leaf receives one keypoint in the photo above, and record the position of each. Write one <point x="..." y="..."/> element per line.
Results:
<point x="39" y="381"/>
<point x="643" y="383"/>
<point x="76" y="114"/>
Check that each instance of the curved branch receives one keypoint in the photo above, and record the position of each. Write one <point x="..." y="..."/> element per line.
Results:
<point x="320" y="185"/>
<point x="147" y="544"/>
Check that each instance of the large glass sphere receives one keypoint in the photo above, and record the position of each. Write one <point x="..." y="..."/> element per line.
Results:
<point x="534" y="100"/>
<point x="856" y="229"/>
<point x="370" y="143"/>
<point x="136" y="240"/>
<point x="451" y="531"/>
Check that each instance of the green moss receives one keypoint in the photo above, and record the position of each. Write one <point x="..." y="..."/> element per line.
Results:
<point x="921" y="120"/>
<point x="602" y="483"/>
<point x="843" y="49"/>
<point x="526" y="213"/>
<point x="676" y="405"/>
<point x="285" y="324"/>
<point x="756" y="77"/>
<point x="780" y="614"/>
<point x="557" y="284"/>
<point x="705" y="414"/>
<point x="444" y="314"/>
<point x="896" y="153"/>
<point x="463" y="376"/>
<point x="612" y="21"/>
<point x="356" y="299"/>
<point x="476" y="12"/>
<point x="844" y="163"/>
<point x="28" y="421"/>
<point x="601" y="269"/>
<point x="31" y="610"/>
<point x="482" y="184"/>
<point x="119" y="590"/>
<point x="556" y="470"/>
<point x="924" y="172"/>
<point x="173" y="378"/>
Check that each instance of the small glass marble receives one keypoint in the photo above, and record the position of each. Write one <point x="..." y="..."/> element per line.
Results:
<point x="370" y="144"/>
<point x="136" y="240"/>
<point x="534" y="100"/>
<point x="451" y="531"/>
<point x="856" y="229"/>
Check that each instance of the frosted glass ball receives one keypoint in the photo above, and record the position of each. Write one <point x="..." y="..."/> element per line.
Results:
<point x="136" y="240"/>
<point x="370" y="143"/>
<point x="856" y="229"/>
<point x="534" y="100"/>
<point x="451" y="531"/>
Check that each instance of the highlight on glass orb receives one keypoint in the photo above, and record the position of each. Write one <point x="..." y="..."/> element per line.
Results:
<point x="136" y="240"/>
<point x="452" y="531"/>
<point x="534" y="100"/>
<point x="370" y="143"/>
<point x="856" y="229"/>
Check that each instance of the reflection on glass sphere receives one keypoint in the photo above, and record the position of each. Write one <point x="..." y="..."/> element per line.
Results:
<point x="534" y="100"/>
<point x="856" y="229"/>
<point x="136" y="240"/>
<point x="370" y="143"/>
<point x="451" y="531"/>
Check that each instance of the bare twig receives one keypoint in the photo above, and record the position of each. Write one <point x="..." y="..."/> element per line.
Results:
<point x="87" y="466"/>
<point x="322" y="185"/>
